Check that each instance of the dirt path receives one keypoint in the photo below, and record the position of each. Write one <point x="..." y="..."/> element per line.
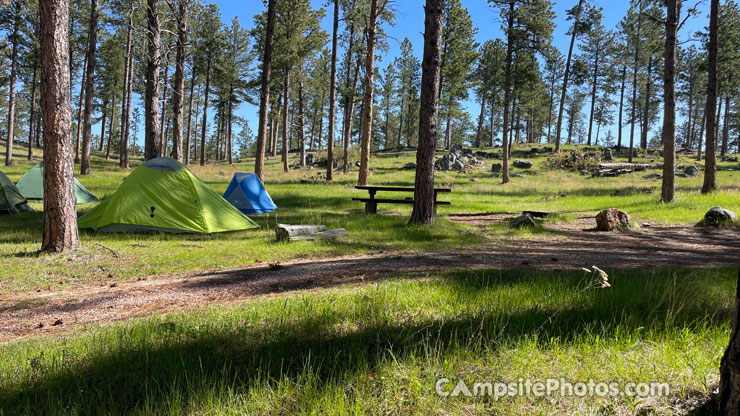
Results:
<point x="565" y="246"/>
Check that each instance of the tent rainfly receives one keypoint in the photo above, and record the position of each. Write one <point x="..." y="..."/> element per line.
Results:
<point x="31" y="186"/>
<point x="163" y="195"/>
<point x="248" y="195"/>
<point x="11" y="201"/>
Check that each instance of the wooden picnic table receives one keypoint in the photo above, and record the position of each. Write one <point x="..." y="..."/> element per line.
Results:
<point x="371" y="203"/>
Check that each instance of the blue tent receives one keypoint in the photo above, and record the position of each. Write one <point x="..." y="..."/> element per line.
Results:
<point x="248" y="195"/>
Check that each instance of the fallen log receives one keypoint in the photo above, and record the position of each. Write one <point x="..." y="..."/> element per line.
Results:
<point x="631" y="166"/>
<point x="324" y="235"/>
<point x="285" y="232"/>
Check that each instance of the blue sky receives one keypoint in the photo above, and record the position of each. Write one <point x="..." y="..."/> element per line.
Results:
<point x="410" y="23"/>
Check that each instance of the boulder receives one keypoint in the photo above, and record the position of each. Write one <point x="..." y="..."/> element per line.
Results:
<point x="524" y="221"/>
<point x="691" y="171"/>
<point x="497" y="168"/>
<point x="523" y="164"/>
<point x="310" y="158"/>
<point x="718" y="216"/>
<point x="409" y="166"/>
<point x="458" y="165"/>
<point x="730" y="159"/>
<point x="608" y="156"/>
<point x="654" y="175"/>
<point x="611" y="219"/>
<point x="518" y="175"/>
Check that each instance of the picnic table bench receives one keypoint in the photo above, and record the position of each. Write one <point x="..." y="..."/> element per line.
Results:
<point x="371" y="203"/>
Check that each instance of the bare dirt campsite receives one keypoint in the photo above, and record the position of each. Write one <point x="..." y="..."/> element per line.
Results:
<point x="369" y="207"/>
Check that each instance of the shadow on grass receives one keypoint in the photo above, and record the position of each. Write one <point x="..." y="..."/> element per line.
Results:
<point x="158" y="368"/>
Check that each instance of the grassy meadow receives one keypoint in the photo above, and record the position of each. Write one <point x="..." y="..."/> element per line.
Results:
<point x="317" y="202"/>
<point x="374" y="348"/>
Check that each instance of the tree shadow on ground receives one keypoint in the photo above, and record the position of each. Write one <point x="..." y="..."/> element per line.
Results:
<point x="149" y="367"/>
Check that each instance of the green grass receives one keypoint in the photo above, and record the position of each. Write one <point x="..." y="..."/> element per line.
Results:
<point x="378" y="349"/>
<point x="142" y="255"/>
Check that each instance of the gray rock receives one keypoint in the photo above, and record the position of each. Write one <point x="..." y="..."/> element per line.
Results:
<point x="730" y="159"/>
<point x="524" y="221"/>
<point x="496" y="168"/>
<point x="518" y="175"/>
<point x="585" y="172"/>
<point x="523" y="164"/>
<point x="459" y="165"/>
<point x="718" y="216"/>
<point x="310" y="158"/>
<point x="611" y="219"/>
<point x="409" y="166"/>
<point x="654" y="175"/>
<point x="691" y="171"/>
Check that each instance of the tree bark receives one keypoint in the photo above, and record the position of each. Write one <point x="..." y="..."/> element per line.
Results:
<point x="204" y="123"/>
<point x="332" y="96"/>
<point x="151" y="100"/>
<point x="634" y="84"/>
<point x="301" y="128"/>
<point x="186" y="146"/>
<point x="701" y="132"/>
<point x="349" y="117"/>
<point x="424" y="209"/>
<point x="710" y="163"/>
<point x="125" y="96"/>
<point x="32" y="115"/>
<point x="729" y="370"/>
<point x="669" y="102"/>
<point x="229" y="140"/>
<point x="92" y="42"/>
<point x="593" y="96"/>
<point x="11" y="93"/>
<point x="80" y="105"/>
<point x="103" y="125"/>
<point x="621" y="108"/>
<point x="646" y="109"/>
<point x="286" y="94"/>
<point x="178" y="98"/>
<point x="259" y="163"/>
<point x="163" y="117"/>
<point x="60" y="211"/>
<point x="507" y="92"/>
<point x="367" y="102"/>
<point x="726" y="126"/>
<point x="565" y="76"/>
<point x="481" y="117"/>
<point x="110" y="133"/>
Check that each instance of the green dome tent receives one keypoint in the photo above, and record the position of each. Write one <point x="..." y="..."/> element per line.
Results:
<point x="163" y="195"/>
<point x="11" y="201"/>
<point x="31" y="186"/>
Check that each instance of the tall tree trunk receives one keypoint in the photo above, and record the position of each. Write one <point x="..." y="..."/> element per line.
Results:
<point x="92" y="42"/>
<point x="197" y="126"/>
<point x="726" y="126"/>
<point x="125" y="96"/>
<point x="634" y="84"/>
<point x="400" y="121"/>
<point x="424" y="195"/>
<point x="566" y="74"/>
<point x="301" y="128"/>
<point x="186" y="146"/>
<point x="367" y="101"/>
<point x="701" y="132"/>
<point x="276" y="131"/>
<point x="103" y="122"/>
<point x="332" y="96"/>
<point x="81" y="100"/>
<point x="729" y="370"/>
<point x="321" y="125"/>
<point x="448" y="125"/>
<point x="646" y="109"/>
<point x="163" y="117"/>
<point x="37" y="132"/>
<point x="110" y="134"/>
<point x="229" y="139"/>
<point x="151" y="100"/>
<point x="593" y="96"/>
<point x="32" y="115"/>
<point x="507" y="91"/>
<point x="621" y="108"/>
<point x="669" y="104"/>
<point x="259" y="164"/>
<point x="178" y="96"/>
<point x="349" y="115"/>
<point x="286" y="102"/>
<point x="204" y="123"/>
<point x="549" y="114"/>
<point x="60" y="211"/>
<point x="710" y="163"/>
<point x="481" y="117"/>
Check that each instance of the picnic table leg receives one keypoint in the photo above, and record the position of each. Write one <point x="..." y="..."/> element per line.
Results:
<point x="371" y="207"/>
